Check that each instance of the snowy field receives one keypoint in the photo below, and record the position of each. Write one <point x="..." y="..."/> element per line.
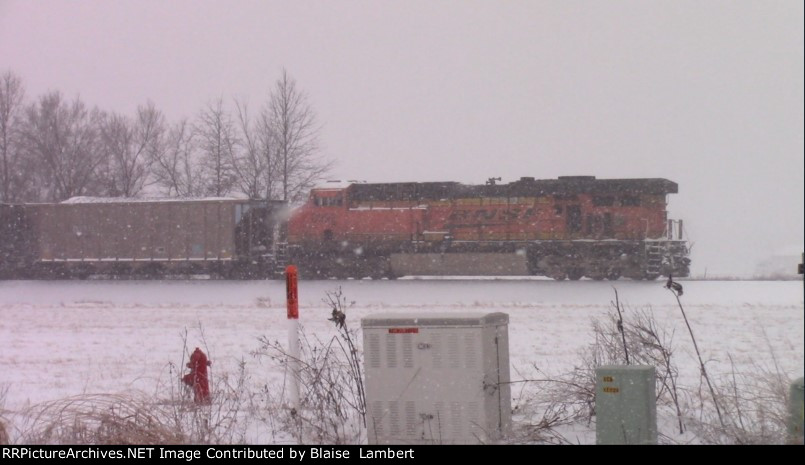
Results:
<point x="67" y="338"/>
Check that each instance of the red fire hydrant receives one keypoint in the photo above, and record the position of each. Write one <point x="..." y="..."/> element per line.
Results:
<point x="197" y="378"/>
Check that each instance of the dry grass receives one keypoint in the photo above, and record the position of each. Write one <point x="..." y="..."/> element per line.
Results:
<point x="130" y="418"/>
<point x="4" y="439"/>
<point x="754" y="408"/>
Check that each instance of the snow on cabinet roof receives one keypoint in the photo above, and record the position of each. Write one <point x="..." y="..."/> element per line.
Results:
<point x="83" y="199"/>
<point x="384" y="320"/>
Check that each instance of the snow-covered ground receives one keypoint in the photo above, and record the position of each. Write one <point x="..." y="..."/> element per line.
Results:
<point x="65" y="338"/>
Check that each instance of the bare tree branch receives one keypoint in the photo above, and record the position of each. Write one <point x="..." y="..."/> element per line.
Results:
<point x="129" y="146"/>
<point x="63" y="137"/>
<point x="217" y="140"/>
<point x="173" y="168"/>
<point x="15" y="175"/>
<point x="248" y="162"/>
<point x="296" y="135"/>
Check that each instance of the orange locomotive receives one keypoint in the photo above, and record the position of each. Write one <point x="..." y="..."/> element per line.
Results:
<point x="569" y="227"/>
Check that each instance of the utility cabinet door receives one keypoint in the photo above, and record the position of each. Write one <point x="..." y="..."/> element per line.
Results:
<point x="431" y="382"/>
<point x="392" y="415"/>
<point x="453" y="387"/>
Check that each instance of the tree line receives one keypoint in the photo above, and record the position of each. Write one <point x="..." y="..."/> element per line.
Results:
<point x="53" y="148"/>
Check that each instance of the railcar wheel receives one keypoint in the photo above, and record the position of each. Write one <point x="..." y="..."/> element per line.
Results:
<point x="318" y="273"/>
<point x="574" y="274"/>
<point x="150" y="271"/>
<point x="613" y="275"/>
<point x="58" y="271"/>
<point x="192" y="269"/>
<point x="82" y="272"/>
<point x="532" y="266"/>
<point x="121" y="271"/>
<point x="226" y="272"/>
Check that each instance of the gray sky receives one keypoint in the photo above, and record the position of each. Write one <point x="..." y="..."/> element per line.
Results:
<point x="708" y="94"/>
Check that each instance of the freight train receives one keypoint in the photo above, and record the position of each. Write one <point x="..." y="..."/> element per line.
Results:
<point x="565" y="228"/>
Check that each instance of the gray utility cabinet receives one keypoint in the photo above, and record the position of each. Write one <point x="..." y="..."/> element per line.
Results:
<point x="437" y="378"/>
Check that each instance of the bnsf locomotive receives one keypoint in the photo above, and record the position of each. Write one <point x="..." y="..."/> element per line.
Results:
<point x="569" y="227"/>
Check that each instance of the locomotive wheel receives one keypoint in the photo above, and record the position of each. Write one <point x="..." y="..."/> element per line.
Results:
<point x="597" y="274"/>
<point x="391" y="275"/>
<point x="380" y="271"/>
<point x="574" y="274"/>
<point x="613" y="275"/>
<point x="340" y="273"/>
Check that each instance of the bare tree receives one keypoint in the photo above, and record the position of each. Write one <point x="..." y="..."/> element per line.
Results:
<point x="174" y="167"/>
<point x="130" y="146"/>
<point x="295" y="134"/>
<point x="217" y="140"/>
<point x="255" y="160"/>
<point x="14" y="173"/>
<point x="248" y="162"/>
<point x="63" y="138"/>
<point x="267" y="147"/>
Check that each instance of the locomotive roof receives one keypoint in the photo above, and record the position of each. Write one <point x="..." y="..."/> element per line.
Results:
<point x="524" y="187"/>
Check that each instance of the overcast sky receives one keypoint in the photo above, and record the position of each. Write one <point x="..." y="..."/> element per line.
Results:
<point x="708" y="94"/>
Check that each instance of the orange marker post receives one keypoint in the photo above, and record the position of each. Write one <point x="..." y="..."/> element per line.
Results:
<point x="292" y="295"/>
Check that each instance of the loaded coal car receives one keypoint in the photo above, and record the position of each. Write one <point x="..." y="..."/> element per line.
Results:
<point x="152" y="238"/>
<point x="570" y="227"/>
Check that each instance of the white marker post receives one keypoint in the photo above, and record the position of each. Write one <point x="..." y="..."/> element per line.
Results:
<point x="292" y="294"/>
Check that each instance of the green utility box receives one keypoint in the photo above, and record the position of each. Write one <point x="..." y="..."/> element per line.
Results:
<point x="625" y="405"/>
